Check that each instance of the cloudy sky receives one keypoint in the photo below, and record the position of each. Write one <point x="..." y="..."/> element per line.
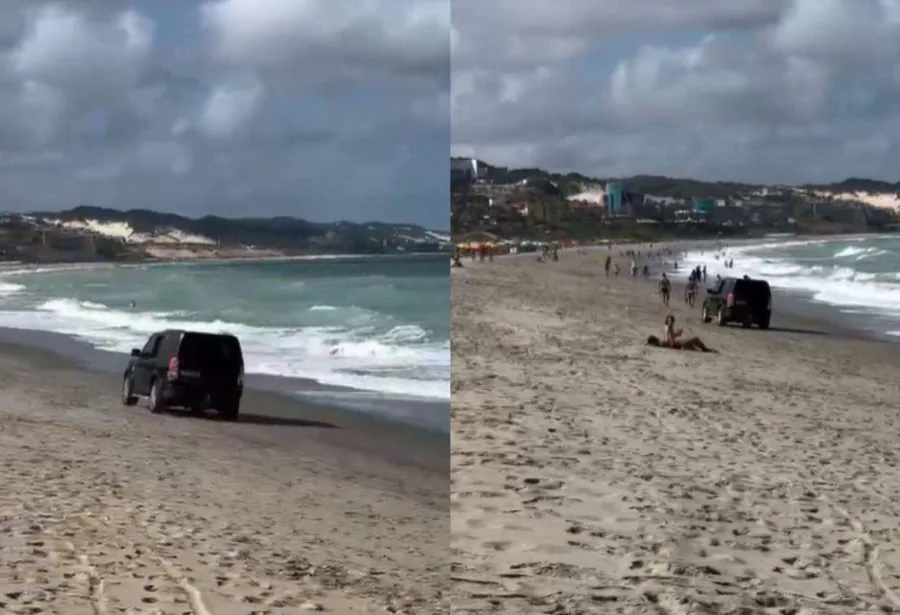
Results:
<point x="324" y="109"/>
<point x="781" y="91"/>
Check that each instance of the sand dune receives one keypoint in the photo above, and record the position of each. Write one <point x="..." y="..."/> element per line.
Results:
<point x="593" y="474"/>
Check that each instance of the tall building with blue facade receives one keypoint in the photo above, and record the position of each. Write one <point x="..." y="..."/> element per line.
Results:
<point x="614" y="199"/>
<point x="702" y="206"/>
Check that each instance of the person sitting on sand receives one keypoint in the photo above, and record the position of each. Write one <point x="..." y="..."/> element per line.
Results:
<point x="672" y="339"/>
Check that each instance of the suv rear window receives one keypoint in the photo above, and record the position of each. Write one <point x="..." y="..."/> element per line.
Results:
<point x="209" y="350"/>
<point x="752" y="288"/>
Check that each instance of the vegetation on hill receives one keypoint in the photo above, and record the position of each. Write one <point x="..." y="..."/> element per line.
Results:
<point x="746" y="208"/>
<point x="279" y="233"/>
<point x="657" y="185"/>
<point x="858" y="184"/>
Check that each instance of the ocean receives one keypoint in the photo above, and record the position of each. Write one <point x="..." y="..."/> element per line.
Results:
<point x="378" y="325"/>
<point x="857" y="276"/>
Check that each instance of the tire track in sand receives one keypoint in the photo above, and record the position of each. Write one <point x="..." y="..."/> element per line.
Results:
<point x="870" y="553"/>
<point x="193" y="595"/>
<point x="96" y="583"/>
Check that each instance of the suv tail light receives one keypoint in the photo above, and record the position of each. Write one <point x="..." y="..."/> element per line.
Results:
<point x="729" y="300"/>
<point x="172" y="373"/>
<point x="240" y="379"/>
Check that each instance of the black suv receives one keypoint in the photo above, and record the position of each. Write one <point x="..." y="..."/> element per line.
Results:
<point x="740" y="300"/>
<point x="187" y="369"/>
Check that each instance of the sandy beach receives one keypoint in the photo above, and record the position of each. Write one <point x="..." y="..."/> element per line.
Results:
<point x="106" y="509"/>
<point x="593" y="474"/>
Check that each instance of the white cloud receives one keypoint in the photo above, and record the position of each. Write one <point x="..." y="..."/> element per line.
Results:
<point x="373" y="37"/>
<point x="830" y="30"/>
<point x="230" y="106"/>
<point x="64" y="49"/>
<point x="747" y="89"/>
<point x="312" y="107"/>
<point x="42" y="107"/>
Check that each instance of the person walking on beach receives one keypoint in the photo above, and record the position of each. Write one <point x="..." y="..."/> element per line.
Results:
<point x="608" y="264"/>
<point x="704" y="274"/>
<point x="690" y="290"/>
<point x="665" y="289"/>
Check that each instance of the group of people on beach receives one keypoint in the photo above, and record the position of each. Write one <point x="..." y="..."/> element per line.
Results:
<point x="636" y="267"/>
<point x="672" y="337"/>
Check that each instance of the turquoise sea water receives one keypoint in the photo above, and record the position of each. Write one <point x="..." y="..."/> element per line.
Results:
<point x="858" y="276"/>
<point x="378" y="324"/>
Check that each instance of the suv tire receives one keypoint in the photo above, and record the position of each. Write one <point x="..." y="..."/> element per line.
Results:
<point x="230" y="410"/>
<point x="704" y="313"/>
<point x="128" y="396"/>
<point x="720" y="317"/>
<point x="764" y="321"/>
<point x="157" y="404"/>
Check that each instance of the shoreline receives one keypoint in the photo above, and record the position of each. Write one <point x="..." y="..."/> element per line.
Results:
<point x="361" y="407"/>
<point x="224" y="259"/>
<point x="428" y="413"/>
<point x="796" y="303"/>
<point x="589" y="467"/>
<point x="873" y="324"/>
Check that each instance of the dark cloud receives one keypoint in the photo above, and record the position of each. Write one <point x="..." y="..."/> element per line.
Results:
<point x="323" y="109"/>
<point x="758" y="90"/>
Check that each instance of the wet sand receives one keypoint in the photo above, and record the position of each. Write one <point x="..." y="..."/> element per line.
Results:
<point x="354" y="406"/>
<point x="107" y="509"/>
<point x="591" y="473"/>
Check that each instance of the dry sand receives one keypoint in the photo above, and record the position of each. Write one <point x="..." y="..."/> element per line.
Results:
<point x="593" y="474"/>
<point x="112" y="510"/>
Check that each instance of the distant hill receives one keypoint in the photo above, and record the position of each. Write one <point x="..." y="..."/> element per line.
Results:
<point x="684" y="188"/>
<point x="538" y="205"/>
<point x="857" y="184"/>
<point x="141" y="226"/>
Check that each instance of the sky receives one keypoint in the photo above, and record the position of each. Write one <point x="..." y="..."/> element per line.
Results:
<point x="764" y="91"/>
<point x="321" y="109"/>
